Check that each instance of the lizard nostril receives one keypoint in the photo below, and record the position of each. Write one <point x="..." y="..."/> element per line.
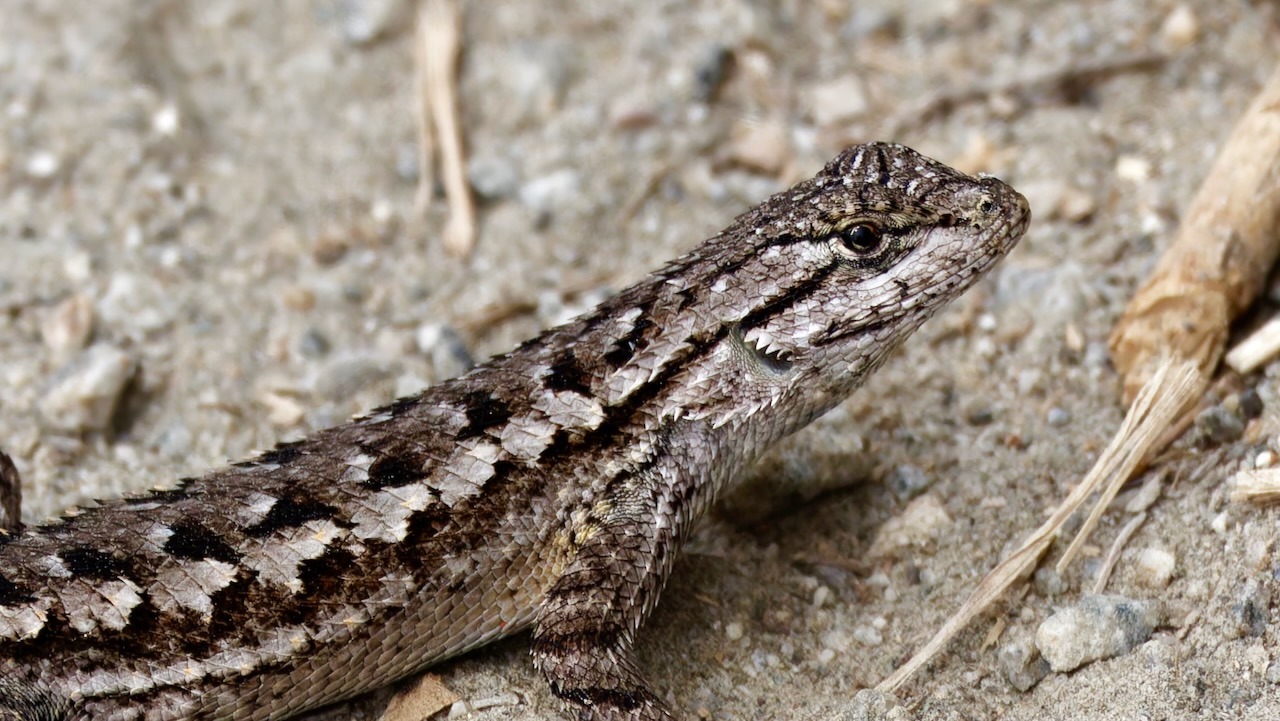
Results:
<point x="986" y="205"/>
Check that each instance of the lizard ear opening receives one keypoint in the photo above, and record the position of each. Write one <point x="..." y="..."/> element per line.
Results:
<point x="757" y="350"/>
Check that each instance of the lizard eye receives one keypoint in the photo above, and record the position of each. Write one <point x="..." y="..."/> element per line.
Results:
<point x="858" y="239"/>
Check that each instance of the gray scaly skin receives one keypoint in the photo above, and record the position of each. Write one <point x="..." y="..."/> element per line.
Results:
<point x="550" y="488"/>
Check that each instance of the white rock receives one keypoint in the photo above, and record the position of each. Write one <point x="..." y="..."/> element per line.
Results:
<point x="1097" y="628"/>
<point x="1181" y="27"/>
<point x="734" y="631"/>
<point x="1155" y="567"/>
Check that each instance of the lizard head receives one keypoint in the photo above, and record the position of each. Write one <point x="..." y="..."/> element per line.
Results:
<point x="840" y="269"/>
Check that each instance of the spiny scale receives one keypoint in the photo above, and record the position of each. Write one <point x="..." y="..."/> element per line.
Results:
<point x="551" y="487"/>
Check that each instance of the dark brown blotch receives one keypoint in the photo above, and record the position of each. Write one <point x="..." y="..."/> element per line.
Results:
<point x="91" y="563"/>
<point x="290" y="513"/>
<point x="12" y="595"/>
<point x="398" y="407"/>
<point x="283" y="454"/>
<point x="395" y="469"/>
<point x="483" y="412"/>
<point x="191" y="540"/>
<point x="567" y="374"/>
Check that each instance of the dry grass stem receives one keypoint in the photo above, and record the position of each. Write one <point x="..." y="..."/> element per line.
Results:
<point x="441" y="29"/>
<point x="426" y="136"/>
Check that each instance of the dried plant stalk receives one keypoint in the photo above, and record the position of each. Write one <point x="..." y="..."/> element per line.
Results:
<point x="1225" y="246"/>
<point x="440" y="23"/>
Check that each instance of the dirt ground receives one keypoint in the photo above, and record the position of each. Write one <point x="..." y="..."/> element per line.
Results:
<point x="221" y="195"/>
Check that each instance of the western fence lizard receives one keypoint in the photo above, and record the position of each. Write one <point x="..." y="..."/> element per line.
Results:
<point x="550" y="488"/>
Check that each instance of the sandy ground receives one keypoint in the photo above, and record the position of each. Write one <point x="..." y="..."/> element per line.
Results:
<point x="221" y="195"/>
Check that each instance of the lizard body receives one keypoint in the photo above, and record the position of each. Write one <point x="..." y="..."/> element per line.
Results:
<point x="549" y="488"/>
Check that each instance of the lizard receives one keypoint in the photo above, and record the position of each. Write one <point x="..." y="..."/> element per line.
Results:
<point x="550" y="488"/>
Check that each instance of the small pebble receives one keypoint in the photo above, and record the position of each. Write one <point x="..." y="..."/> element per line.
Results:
<point x="1155" y="567"/>
<point x="838" y="101"/>
<point x="734" y="631"/>
<point x="1058" y="416"/>
<point x="364" y="21"/>
<point x="493" y="176"/>
<point x="313" y="344"/>
<point x="907" y="481"/>
<point x="1030" y="380"/>
<point x="502" y="699"/>
<point x="449" y="355"/>
<point x="1076" y="205"/>
<point x="135" y="304"/>
<point x="1265" y="459"/>
<point x="1219" y="523"/>
<point x="871" y="705"/>
<point x="1249" y="403"/>
<point x="1097" y="628"/>
<point x="1273" y="673"/>
<point x="1217" y="425"/>
<point x="68" y="329"/>
<point x="1181" y="27"/>
<point x="711" y="70"/>
<point x="1048" y="582"/>
<point x="820" y="596"/>
<point x="84" y="394"/>
<point x="980" y="416"/>
<point x="1022" y="665"/>
<point x="344" y="377"/>
<point x="283" y="411"/>
<point x="919" y="524"/>
<point x="1146" y="495"/>
<point x="760" y="146"/>
<point x="549" y="192"/>
<point x="43" y="165"/>
<point x="1133" y="168"/>
<point x="868" y="636"/>
<point x="837" y="640"/>
<point x="167" y="121"/>
<point x="1251" y="609"/>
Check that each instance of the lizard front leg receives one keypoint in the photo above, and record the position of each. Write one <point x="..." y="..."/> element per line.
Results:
<point x="623" y="553"/>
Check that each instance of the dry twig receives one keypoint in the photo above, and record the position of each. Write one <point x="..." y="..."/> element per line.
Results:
<point x="1117" y="547"/>
<point x="440" y="30"/>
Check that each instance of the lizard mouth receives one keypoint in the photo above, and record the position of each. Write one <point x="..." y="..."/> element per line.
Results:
<point x="761" y="352"/>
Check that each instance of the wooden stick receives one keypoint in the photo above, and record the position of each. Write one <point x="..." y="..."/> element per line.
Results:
<point x="1226" y="244"/>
